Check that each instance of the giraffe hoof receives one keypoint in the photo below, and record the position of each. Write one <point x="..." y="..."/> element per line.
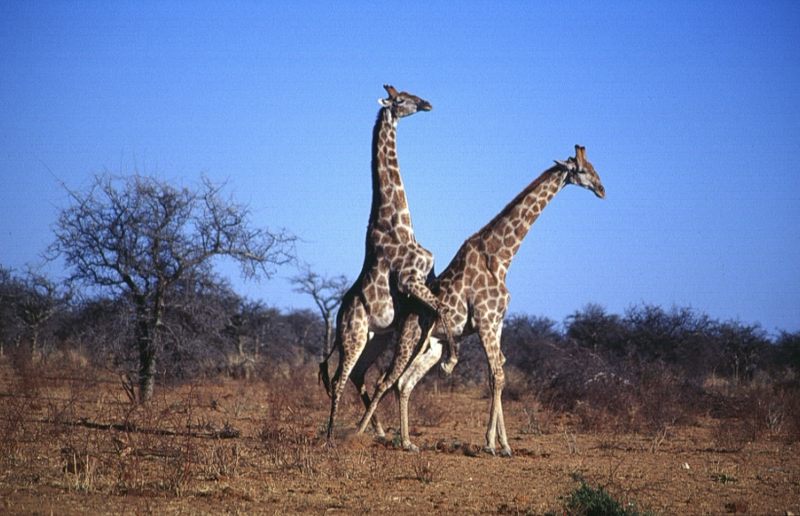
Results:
<point x="505" y="452"/>
<point x="489" y="450"/>
<point x="447" y="368"/>
<point x="409" y="447"/>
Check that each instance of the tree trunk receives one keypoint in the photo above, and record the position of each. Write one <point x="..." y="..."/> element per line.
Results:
<point x="148" y="325"/>
<point x="34" y="342"/>
<point x="240" y="343"/>
<point x="147" y="359"/>
<point x="145" y="332"/>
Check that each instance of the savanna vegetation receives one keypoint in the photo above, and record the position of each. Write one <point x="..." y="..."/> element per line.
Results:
<point x="147" y="384"/>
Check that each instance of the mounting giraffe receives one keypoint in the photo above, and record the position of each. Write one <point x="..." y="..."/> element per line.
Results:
<point x="395" y="269"/>
<point x="473" y="288"/>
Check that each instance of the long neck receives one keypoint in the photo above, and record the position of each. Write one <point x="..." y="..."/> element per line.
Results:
<point x="389" y="204"/>
<point x="503" y="235"/>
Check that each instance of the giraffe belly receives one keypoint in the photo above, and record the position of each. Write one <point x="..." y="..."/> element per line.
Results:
<point x="377" y="296"/>
<point x="381" y="316"/>
<point x="457" y="328"/>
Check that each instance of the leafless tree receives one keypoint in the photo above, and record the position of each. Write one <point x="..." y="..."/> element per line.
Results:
<point x="141" y="236"/>
<point x="9" y="290"/>
<point x="39" y="299"/>
<point x="327" y="294"/>
<point x="27" y="304"/>
<point x="250" y="325"/>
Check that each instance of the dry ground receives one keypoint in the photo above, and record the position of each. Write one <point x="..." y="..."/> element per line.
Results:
<point x="71" y="442"/>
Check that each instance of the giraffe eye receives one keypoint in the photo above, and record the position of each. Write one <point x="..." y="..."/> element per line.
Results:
<point x="400" y="101"/>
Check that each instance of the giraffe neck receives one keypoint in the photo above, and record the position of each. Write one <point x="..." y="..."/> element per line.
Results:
<point x="504" y="234"/>
<point x="389" y="203"/>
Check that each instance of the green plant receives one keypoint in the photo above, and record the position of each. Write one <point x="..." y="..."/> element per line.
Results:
<point x="586" y="500"/>
<point x="723" y="478"/>
<point x="397" y="440"/>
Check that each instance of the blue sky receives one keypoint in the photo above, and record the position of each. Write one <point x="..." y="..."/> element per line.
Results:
<point x="690" y="112"/>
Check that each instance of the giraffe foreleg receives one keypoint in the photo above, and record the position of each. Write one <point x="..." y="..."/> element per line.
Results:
<point x="496" y="384"/>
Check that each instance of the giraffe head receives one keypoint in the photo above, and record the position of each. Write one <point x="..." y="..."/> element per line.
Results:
<point x="403" y="104"/>
<point x="582" y="173"/>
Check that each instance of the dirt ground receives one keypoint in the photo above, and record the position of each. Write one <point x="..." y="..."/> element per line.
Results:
<point x="72" y="442"/>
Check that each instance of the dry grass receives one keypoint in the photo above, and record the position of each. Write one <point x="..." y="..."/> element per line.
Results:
<point x="71" y="441"/>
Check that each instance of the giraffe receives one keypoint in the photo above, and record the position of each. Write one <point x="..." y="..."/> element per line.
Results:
<point x="395" y="268"/>
<point x="473" y="289"/>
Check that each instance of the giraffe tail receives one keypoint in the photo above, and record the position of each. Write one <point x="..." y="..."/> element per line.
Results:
<point x="323" y="375"/>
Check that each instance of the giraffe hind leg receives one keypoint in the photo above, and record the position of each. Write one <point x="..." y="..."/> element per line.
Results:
<point x="353" y="340"/>
<point x="333" y="388"/>
<point x="375" y="347"/>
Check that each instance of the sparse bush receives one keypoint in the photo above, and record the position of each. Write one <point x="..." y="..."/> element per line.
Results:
<point x="517" y="384"/>
<point x="665" y="398"/>
<point x="792" y="416"/>
<point x="608" y="403"/>
<point x="80" y="469"/>
<point x="287" y="447"/>
<point x="594" y="329"/>
<point x="537" y="420"/>
<point x="730" y="435"/>
<point x="428" y="408"/>
<point x="424" y="469"/>
<point x="788" y="352"/>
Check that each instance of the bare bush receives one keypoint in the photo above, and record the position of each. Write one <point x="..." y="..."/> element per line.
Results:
<point x="537" y="420"/>
<point x="288" y="448"/>
<point x="425" y="470"/>
<point x="730" y="435"/>
<point x="792" y="416"/>
<point x="428" y="407"/>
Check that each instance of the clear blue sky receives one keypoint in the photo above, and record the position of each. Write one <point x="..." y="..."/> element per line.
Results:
<point x="690" y="112"/>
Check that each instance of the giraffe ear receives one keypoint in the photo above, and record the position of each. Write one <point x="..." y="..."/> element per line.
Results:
<point x="566" y="165"/>
<point x="390" y="90"/>
<point x="385" y="102"/>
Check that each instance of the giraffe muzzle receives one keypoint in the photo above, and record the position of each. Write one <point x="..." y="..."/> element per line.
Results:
<point x="600" y="191"/>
